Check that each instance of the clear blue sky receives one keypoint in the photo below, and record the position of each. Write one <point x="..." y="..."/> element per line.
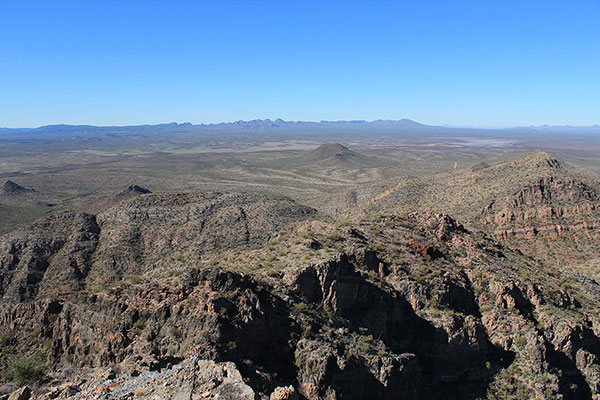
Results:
<point x="478" y="63"/>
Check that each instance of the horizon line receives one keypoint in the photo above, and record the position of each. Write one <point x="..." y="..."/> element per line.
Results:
<point x="280" y="120"/>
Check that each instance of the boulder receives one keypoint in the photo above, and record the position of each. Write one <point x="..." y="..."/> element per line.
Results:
<point x="23" y="393"/>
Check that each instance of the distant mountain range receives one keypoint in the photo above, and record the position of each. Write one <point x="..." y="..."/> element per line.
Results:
<point x="253" y="124"/>
<point x="279" y="124"/>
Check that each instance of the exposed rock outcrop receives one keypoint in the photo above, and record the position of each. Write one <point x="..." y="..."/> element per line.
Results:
<point x="192" y="378"/>
<point x="23" y="393"/>
<point x="530" y="199"/>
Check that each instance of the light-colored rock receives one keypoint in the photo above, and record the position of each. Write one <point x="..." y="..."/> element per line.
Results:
<point x="284" y="393"/>
<point x="23" y="393"/>
<point x="193" y="378"/>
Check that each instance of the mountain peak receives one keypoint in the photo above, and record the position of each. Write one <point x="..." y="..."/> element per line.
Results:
<point x="12" y="188"/>
<point x="330" y="151"/>
<point x="133" y="190"/>
<point x="539" y="158"/>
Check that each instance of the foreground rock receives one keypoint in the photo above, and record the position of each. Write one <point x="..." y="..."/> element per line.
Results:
<point x="191" y="379"/>
<point x="23" y="393"/>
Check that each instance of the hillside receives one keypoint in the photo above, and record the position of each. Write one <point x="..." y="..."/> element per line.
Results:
<point x="532" y="204"/>
<point x="128" y="192"/>
<point x="156" y="296"/>
<point x="133" y="237"/>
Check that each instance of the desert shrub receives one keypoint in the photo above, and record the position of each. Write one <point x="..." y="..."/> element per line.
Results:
<point x="52" y="317"/>
<point x="5" y="339"/>
<point x="231" y="345"/>
<point x="364" y="345"/>
<point x="329" y="311"/>
<point x="335" y="236"/>
<point x="175" y="331"/>
<point x="306" y="330"/>
<point x="372" y="274"/>
<point x="520" y="342"/>
<point x="25" y="369"/>
<point x="300" y="307"/>
<point x="135" y="279"/>
<point x="140" y="323"/>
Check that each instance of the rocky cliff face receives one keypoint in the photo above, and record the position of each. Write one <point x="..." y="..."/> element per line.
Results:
<point x="558" y="212"/>
<point x="533" y="204"/>
<point x="548" y="198"/>
<point x="53" y="256"/>
<point x="383" y="307"/>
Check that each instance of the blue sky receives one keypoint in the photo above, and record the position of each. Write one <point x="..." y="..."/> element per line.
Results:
<point x="477" y="63"/>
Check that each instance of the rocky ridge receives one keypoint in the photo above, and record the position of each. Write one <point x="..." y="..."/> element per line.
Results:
<point x="530" y="198"/>
<point x="66" y="252"/>
<point x="457" y="314"/>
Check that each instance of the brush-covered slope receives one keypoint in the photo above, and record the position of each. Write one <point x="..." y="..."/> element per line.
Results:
<point x="67" y="252"/>
<point x="531" y="203"/>
<point x="387" y="307"/>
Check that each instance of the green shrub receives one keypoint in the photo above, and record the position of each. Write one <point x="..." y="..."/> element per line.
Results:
<point x="231" y="345"/>
<point x="364" y="345"/>
<point x="5" y="339"/>
<point x="520" y="342"/>
<point x="25" y="369"/>
<point x="140" y="323"/>
<point x="329" y="311"/>
<point x="300" y="307"/>
<point x="52" y="318"/>
<point x="335" y="236"/>
<point x="175" y="331"/>
<point x="306" y="329"/>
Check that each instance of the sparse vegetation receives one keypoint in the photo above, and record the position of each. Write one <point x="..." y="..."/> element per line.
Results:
<point x="25" y="369"/>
